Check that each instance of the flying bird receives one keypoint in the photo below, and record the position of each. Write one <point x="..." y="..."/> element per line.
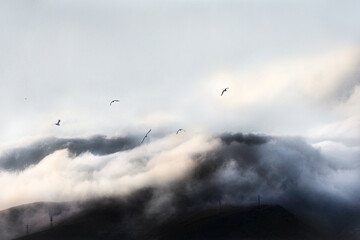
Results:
<point x="145" y="136"/>
<point x="114" y="101"/>
<point x="180" y="129"/>
<point x="58" y="123"/>
<point x="224" y="91"/>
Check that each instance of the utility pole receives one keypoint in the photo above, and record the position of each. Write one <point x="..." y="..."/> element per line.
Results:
<point x="27" y="229"/>
<point x="219" y="205"/>
<point x="51" y="221"/>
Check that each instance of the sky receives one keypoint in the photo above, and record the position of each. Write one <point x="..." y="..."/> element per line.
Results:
<point x="292" y="63"/>
<point x="292" y="69"/>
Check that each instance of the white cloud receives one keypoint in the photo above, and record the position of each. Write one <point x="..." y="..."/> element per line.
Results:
<point x="61" y="177"/>
<point x="348" y="128"/>
<point x="294" y="96"/>
<point x="316" y="78"/>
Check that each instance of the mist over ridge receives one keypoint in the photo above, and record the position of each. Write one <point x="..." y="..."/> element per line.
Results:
<point x="191" y="172"/>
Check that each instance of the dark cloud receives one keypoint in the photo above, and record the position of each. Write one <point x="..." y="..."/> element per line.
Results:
<point x="20" y="158"/>
<point x="283" y="171"/>
<point x="248" y="139"/>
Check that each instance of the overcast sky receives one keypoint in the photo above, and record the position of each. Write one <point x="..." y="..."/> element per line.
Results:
<point x="292" y="67"/>
<point x="293" y="73"/>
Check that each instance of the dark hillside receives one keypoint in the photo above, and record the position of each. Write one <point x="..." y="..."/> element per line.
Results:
<point x="110" y="221"/>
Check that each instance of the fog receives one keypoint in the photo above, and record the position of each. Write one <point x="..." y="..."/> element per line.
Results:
<point x="307" y="179"/>
<point x="288" y="128"/>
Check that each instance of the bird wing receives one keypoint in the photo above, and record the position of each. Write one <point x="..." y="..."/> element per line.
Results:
<point x="145" y="136"/>
<point x="113" y="101"/>
<point x="224" y="91"/>
<point x="180" y="129"/>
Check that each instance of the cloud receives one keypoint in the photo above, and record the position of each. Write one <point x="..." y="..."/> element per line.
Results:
<point x="348" y="128"/>
<point x="94" y="167"/>
<point x="19" y="158"/>
<point x="320" y="78"/>
<point x="296" y="95"/>
<point x="248" y="139"/>
<point x="93" y="53"/>
<point x="187" y="172"/>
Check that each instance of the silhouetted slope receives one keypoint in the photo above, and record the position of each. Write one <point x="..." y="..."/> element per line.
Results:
<point x="112" y="222"/>
<point x="13" y="221"/>
<point x="268" y="222"/>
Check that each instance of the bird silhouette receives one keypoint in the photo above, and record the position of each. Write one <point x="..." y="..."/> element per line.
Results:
<point x="145" y="136"/>
<point x="180" y="129"/>
<point x="113" y="101"/>
<point x="224" y="91"/>
<point x="58" y="123"/>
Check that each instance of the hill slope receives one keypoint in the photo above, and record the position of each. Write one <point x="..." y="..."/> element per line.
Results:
<point x="111" y="222"/>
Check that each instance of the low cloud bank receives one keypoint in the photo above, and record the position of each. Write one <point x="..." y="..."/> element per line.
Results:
<point x="194" y="172"/>
<point x="20" y="158"/>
